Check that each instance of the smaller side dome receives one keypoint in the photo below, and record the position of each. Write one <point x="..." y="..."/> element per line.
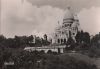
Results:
<point x="76" y="18"/>
<point x="74" y="25"/>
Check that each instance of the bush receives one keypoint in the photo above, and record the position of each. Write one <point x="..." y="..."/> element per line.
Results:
<point x="65" y="62"/>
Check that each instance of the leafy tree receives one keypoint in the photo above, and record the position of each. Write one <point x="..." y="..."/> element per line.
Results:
<point x="70" y="44"/>
<point x="82" y="37"/>
<point x="96" y="39"/>
<point x="42" y="52"/>
<point x="94" y="50"/>
<point x="65" y="62"/>
<point x="70" y="41"/>
<point x="38" y="41"/>
<point x="86" y="37"/>
<point x="78" y="37"/>
<point x="2" y="38"/>
<point x="45" y="42"/>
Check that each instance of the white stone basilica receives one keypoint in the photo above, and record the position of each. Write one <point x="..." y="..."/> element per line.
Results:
<point x="69" y="27"/>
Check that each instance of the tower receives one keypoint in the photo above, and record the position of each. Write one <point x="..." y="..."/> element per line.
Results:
<point x="75" y="27"/>
<point x="68" y="21"/>
<point x="68" y="18"/>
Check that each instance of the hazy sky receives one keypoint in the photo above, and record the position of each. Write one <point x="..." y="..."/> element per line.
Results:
<point x="26" y="17"/>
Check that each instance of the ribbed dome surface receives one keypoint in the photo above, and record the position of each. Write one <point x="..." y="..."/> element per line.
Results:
<point x="68" y="14"/>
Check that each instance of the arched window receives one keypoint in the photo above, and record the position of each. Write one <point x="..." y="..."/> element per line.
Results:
<point x="61" y="41"/>
<point x="70" y="25"/>
<point x="58" y="40"/>
<point x="62" y="32"/>
<point x="73" y="33"/>
<point x="65" y="25"/>
<point x="64" y="41"/>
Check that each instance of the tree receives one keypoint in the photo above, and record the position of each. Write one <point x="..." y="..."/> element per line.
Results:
<point x="2" y="41"/>
<point x="17" y="41"/>
<point x="82" y="37"/>
<point x="2" y="38"/>
<point x="94" y="50"/>
<point x="70" y="44"/>
<point x="70" y="41"/>
<point x="45" y="42"/>
<point x="10" y="43"/>
<point x="1" y="58"/>
<point x="86" y="37"/>
<point x="38" y="41"/>
<point x="65" y="62"/>
<point x="96" y="39"/>
<point x="78" y="37"/>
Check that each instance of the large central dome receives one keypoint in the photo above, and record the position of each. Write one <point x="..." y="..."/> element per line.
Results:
<point x="68" y="14"/>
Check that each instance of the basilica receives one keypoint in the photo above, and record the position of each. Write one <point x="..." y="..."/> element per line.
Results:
<point x="69" y="28"/>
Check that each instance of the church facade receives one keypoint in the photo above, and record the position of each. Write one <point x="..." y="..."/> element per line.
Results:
<point x="69" y="28"/>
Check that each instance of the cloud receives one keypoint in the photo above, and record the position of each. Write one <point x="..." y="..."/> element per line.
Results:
<point x="23" y="18"/>
<point x="77" y="5"/>
<point x="90" y="20"/>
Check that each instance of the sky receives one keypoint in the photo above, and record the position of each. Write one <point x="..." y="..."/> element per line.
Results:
<point x="37" y="17"/>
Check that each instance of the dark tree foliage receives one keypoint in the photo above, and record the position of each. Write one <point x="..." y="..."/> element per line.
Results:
<point x="11" y="49"/>
<point x="78" y="37"/>
<point x="70" y="41"/>
<point x="45" y="42"/>
<point x="65" y="62"/>
<point x="94" y="51"/>
<point x="86" y="37"/>
<point x="2" y="38"/>
<point x="22" y="42"/>
<point x="95" y="39"/>
<point x="70" y="45"/>
<point x="38" y="41"/>
<point x="82" y="37"/>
